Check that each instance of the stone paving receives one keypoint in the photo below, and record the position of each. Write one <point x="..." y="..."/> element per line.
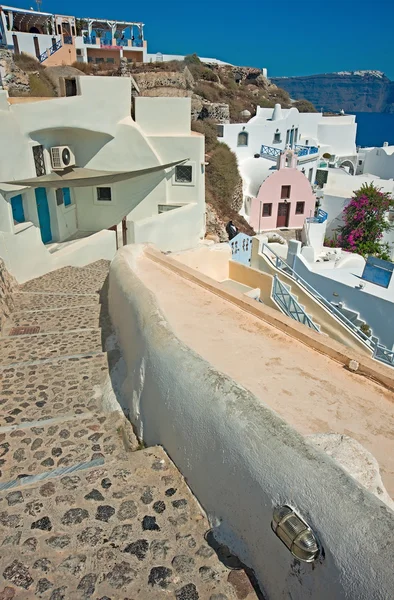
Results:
<point x="84" y="512"/>
<point x="85" y="317"/>
<point x="34" y="301"/>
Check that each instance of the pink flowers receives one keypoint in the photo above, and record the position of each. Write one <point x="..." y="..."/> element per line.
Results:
<point x="365" y="222"/>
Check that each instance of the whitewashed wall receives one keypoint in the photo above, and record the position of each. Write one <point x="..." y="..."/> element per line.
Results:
<point x="103" y="136"/>
<point x="379" y="161"/>
<point x="241" y="459"/>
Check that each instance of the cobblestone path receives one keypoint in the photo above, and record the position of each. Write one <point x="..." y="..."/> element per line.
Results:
<point x="81" y="515"/>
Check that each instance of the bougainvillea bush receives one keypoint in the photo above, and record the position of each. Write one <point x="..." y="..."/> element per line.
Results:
<point x="365" y="222"/>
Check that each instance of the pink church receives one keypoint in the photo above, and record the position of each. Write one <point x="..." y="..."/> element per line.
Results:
<point x="285" y="198"/>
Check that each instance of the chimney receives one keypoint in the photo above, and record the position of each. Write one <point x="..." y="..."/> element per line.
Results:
<point x="277" y="114"/>
<point x="385" y="144"/>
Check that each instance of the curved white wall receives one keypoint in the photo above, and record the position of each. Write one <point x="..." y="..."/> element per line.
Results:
<point x="241" y="459"/>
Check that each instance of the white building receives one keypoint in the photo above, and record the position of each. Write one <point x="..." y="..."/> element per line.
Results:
<point x="149" y="170"/>
<point x="337" y="276"/>
<point x="376" y="161"/>
<point x="259" y="143"/>
<point x="159" y="57"/>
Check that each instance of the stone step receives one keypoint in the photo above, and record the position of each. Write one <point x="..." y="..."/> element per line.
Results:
<point x="57" y="320"/>
<point x="24" y="301"/>
<point x="86" y="280"/>
<point x="39" y="346"/>
<point x="52" y="388"/>
<point x="101" y="265"/>
<point x="57" y="443"/>
<point x="128" y="530"/>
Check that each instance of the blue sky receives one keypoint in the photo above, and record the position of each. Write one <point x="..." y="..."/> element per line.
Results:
<point x="288" y="37"/>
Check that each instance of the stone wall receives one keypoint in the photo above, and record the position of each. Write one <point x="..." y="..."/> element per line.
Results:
<point x="7" y="286"/>
<point x="12" y="78"/>
<point x="216" y="111"/>
<point x="240" y="459"/>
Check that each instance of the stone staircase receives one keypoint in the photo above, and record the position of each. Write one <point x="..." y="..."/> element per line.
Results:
<point x="84" y="511"/>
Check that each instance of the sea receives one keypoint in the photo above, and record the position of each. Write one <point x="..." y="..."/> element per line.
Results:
<point x="374" y="128"/>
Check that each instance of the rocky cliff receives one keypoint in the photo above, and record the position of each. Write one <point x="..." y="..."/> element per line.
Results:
<point x="356" y="91"/>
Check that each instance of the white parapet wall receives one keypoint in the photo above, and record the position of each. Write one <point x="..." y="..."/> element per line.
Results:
<point x="241" y="459"/>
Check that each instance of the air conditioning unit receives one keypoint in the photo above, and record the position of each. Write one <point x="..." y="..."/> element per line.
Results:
<point x="62" y="157"/>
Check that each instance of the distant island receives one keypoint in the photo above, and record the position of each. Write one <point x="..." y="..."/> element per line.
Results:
<point x="352" y="91"/>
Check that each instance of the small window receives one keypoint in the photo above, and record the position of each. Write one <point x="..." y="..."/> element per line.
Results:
<point x="67" y="196"/>
<point x="360" y="162"/>
<point x="243" y="138"/>
<point x="59" y="196"/>
<point x="287" y="136"/>
<point x="73" y="30"/>
<point x="220" y="130"/>
<point x="99" y="61"/>
<point x="59" y="29"/>
<point x="18" y="214"/>
<point x="267" y="210"/>
<point x="285" y="192"/>
<point x="90" y="59"/>
<point x="306" y="142"/>
<point x="184" y="174"/>
<point x="300" y="206"/>
<point x="277" y="137"/>
<point x="110" y="61"/>
<point x="39" y="162"/>
<point x="104" y="194"/>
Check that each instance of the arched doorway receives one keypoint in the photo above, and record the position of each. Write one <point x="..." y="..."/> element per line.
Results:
<point x="349" y="165"/>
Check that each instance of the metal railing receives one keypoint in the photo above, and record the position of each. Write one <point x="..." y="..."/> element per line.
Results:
<point x="280" y="264"/>
<point x="321" y="217"/>
<point x="384" y="355"/>
<point x="52" y="50"/>
<point x="89" y="39"/>
<point x="306" y="150"/>
<point x="55" y="47"/>
<point x="270" y="151"/>
<point x="290" y="305"/>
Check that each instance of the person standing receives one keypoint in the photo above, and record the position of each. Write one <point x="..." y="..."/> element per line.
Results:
<point x="232" y="230"/>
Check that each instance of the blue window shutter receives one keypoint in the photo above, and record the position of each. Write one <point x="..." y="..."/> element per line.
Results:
<point x="17" y="209"/>
<point x="67" y="196"/>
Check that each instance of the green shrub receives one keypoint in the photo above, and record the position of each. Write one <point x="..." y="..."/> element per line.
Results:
<point x="28" y="63"/>
<point x="222" y="177"/>
<point x="40" y="86"/>
<point x="209" y="92"/>
<point x="304" y="106"/>
<point x="208" y="75"/>
<point x="209" y="129"/>
<point x="192" y="59"/>
<point x="222" y="172"/>
<point x="86" y="68"/>
<point x="281" y="96"/>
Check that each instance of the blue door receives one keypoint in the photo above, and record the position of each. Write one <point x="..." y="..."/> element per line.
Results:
<point x="17" y="209"/>
<point x="43" y="215"/>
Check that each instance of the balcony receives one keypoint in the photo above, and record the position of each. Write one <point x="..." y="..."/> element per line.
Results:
<point x="306" y="150"/>
<point x="89" y="39"/>
<point x="321" y="217"/>
<point x="270" y="152"/>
